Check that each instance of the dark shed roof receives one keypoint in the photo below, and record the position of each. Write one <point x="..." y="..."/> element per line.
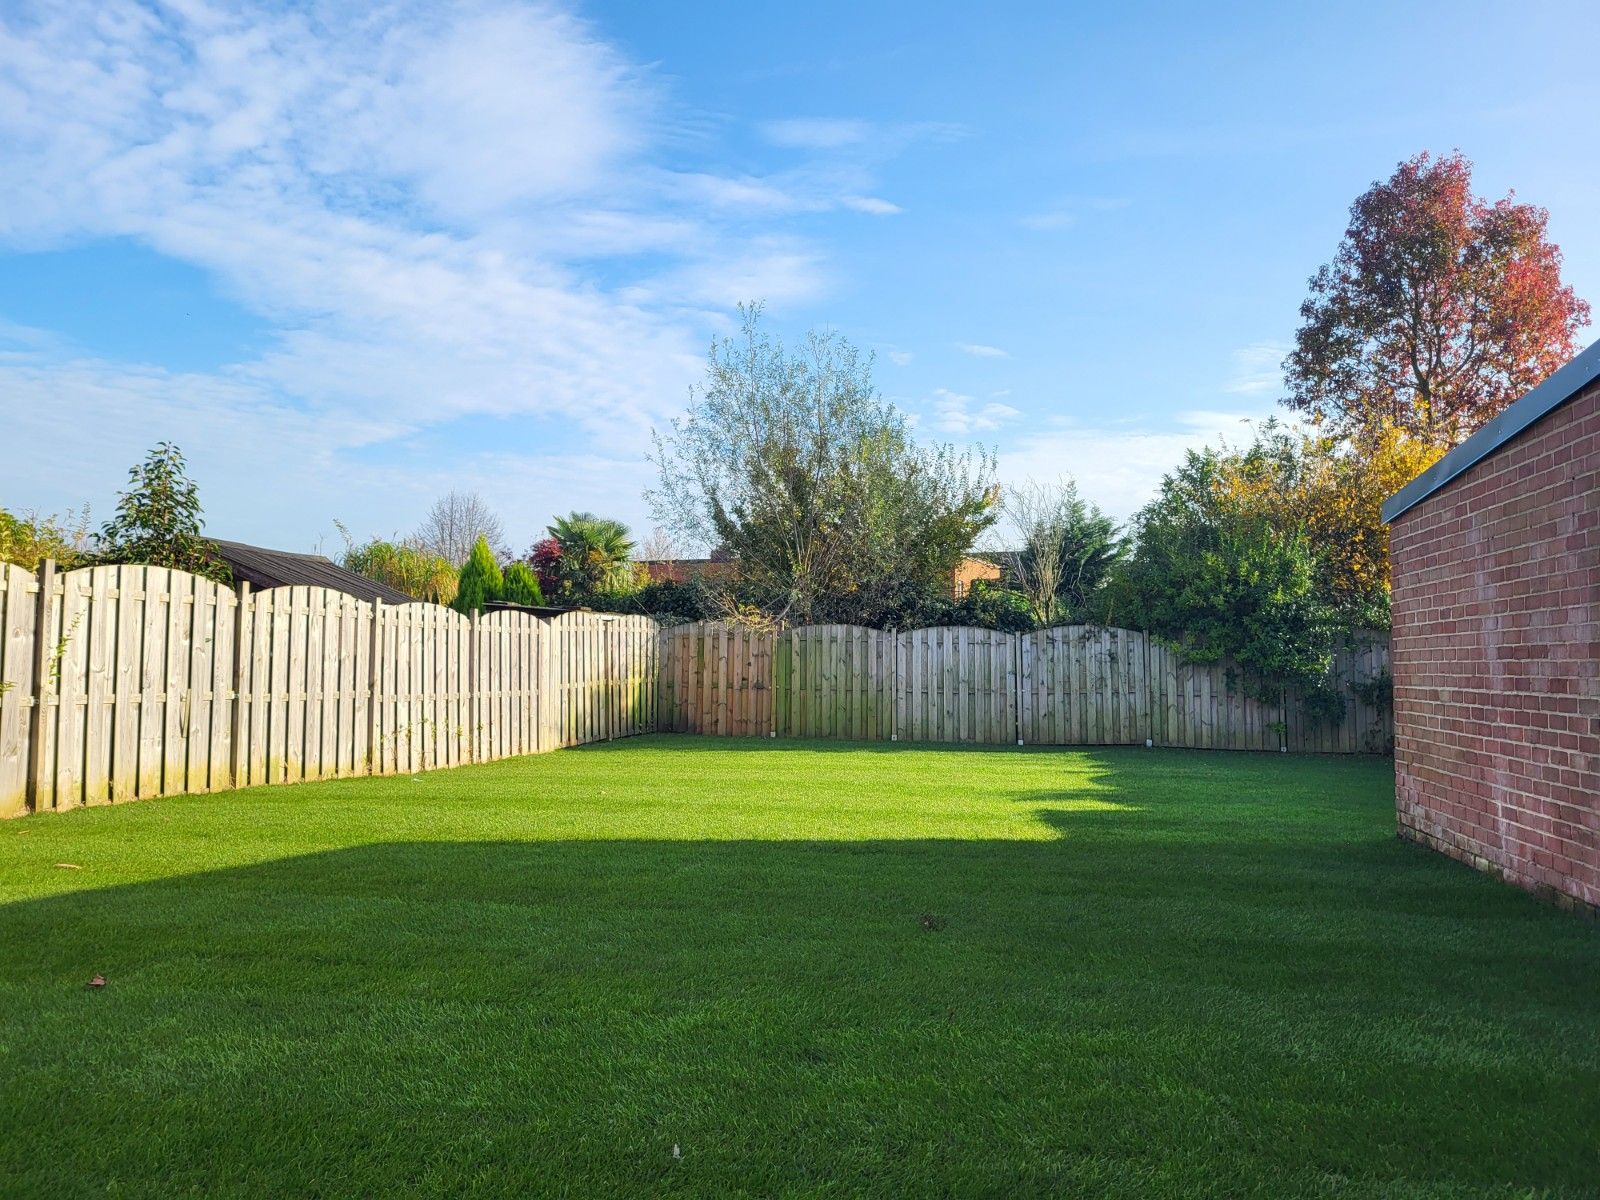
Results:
<point x="262" y="568"/>
<point x="1555" y="391"/>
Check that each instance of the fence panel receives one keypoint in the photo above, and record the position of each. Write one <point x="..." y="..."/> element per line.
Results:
<point x="1087" y="685"/>
<point x="508" y="653"/>
<point x="833" y="681"/>
<point x="956" y="684"/>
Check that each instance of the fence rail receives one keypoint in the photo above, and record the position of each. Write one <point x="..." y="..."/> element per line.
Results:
<point x="132" y="681"/>
<point x="1072" y="685"/>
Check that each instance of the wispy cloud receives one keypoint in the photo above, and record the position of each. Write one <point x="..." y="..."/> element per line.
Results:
<point x="1119" y="465"/>
<point x="1069" y="213"/>
<point x="1257" y="369"/>
<point x="962" y="415"/>
<point x="900" y="358"/>
<point x="817" y="133"/>
<point x="872" y="205"/>
<point x="978" y="350"/>
<point x="414" y="203"/>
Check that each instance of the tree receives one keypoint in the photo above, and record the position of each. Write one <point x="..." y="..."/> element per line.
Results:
<point x="520" y="586"/>
<point x="401" y="566"/>
<point x="1068" y="548"/>
<point x="481" y="580"/>
<point x="1334" y="492"/>
<point x="592" y="555"/>
<point x="795" y="466"/>
<point x="544" y="556"/>
<point x="454" y="525"/>
<point x="1221" y="579"/>
<point x="158" y="520"/>
<point x="1438" y="310"/>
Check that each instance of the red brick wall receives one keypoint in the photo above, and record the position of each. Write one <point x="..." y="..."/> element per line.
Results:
<point x="1497" y="660"/>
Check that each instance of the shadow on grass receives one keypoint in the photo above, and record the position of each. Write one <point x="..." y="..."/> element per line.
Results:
<point x="1122" y="1008"/>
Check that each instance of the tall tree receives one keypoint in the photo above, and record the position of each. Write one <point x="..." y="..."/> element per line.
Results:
<point x="796" y="467"/>
<point x="158" y="520"/>
<point x="1067" y="548"/>
<point x="1438" y="310"/>
<point x="455" y="523"/>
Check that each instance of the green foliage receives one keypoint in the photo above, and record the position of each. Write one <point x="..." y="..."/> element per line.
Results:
<point x="29" y="538"/>
<point x="158" y="520"/>
<point x="1067" y="551"/>
<point x="798" y="468"/>
<point x="403" y="566"/>
<point x="991" y="607"/>
<point x="1376" y="692"/>
<point x="481" y="580"/>
<point x="592" y="557"/>
<point x="520" y="586"/>
<point x="1221" y="580"/>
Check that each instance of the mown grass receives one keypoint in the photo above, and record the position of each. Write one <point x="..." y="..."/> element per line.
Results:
<point x="814" y="970"/>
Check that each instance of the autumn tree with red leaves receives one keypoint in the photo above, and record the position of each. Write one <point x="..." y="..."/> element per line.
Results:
<point x="1437" y="312"/>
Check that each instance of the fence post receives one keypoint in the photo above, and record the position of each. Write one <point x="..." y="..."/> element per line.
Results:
<point x="241" y="656"/>
<point x="372" y="687"/>
<point x="473" y="707"/>
<point x="35" y="789"/>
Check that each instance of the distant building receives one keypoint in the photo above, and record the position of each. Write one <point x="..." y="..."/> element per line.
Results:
<point x="262" y="568"/>
<point x="681" y="570"/>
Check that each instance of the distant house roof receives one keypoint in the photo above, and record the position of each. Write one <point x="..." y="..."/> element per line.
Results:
<point x="1563" y="385"/>
<point x="262" y="568"/>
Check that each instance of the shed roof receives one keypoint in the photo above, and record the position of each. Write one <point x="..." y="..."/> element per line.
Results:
<point x="263" y="568"/>
<point x="1563" y="385"/>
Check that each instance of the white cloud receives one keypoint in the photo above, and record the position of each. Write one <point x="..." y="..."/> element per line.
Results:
<point x="1046" y="221"/>
<point x="1120" y="466"/>
<point x="900" y="358"/>
<point x="413" y="199"/>
<point x="817" y="133"/>
<point x="959" y="414"/>
<point x="978" y="350"/>
<point x="872" y="205"/>
<point x="1257" y="369"/>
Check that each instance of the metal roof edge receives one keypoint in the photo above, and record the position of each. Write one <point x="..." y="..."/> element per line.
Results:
<point x="1563" y="384"/>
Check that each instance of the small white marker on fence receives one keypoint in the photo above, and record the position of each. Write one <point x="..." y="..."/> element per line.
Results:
<point x="1149" y="743"/>
<point x="1019" y="741"/>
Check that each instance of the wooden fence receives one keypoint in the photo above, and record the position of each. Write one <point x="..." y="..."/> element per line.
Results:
<point x="1072" y="685"/>
<point x="124" y="682"/>
<point x="133" y="681"/>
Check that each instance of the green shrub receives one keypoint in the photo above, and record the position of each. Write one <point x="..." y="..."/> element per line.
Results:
<point x="481" y="580"/>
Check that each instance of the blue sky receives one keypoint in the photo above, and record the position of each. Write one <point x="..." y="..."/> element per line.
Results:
<point x="351" y="256"/>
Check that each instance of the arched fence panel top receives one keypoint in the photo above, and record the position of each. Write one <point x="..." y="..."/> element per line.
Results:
<point x="119" y="682"/>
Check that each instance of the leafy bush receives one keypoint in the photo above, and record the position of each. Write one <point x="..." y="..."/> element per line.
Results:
<point x="1220" y="579"/>
<point x="990" y="607"/>
<point x="30" y="538"/>
<point x="481" y="579"/>
<point x="520" y="586"/>
<point x="158" y="520"/>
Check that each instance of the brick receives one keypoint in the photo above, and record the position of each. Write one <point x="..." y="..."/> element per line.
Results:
<point x="1496" y="660"/>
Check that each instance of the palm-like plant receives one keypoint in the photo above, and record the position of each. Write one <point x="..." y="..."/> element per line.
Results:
<point x="594" y="554"/>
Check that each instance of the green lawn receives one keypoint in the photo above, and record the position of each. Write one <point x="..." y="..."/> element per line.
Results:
<point x="814" y="969"/>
